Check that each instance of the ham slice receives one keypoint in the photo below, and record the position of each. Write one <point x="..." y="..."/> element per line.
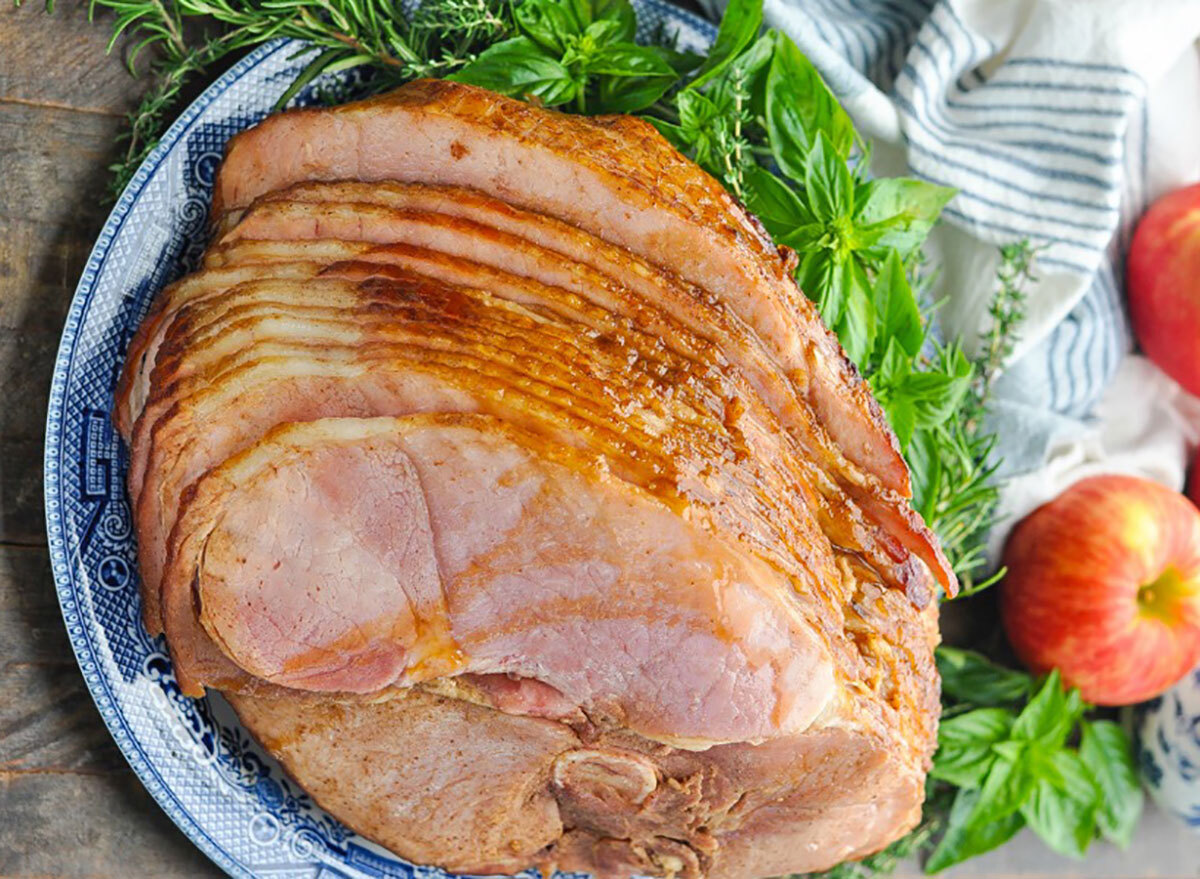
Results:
<point x="495" y="469"/>
<point x="573" y="797"/>
<point x="613" y="176"/>
<point x="402" y="550"/>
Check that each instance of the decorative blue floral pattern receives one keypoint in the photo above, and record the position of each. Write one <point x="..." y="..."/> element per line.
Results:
<point x="1168" y="748"/>
<point x="193" y="756"/>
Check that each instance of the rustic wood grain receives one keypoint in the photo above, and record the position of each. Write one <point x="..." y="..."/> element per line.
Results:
<point x="69" y="805"/>
<point x="59" y="61"/>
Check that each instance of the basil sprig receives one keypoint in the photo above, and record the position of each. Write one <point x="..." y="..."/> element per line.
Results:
<point x="1027" y="757"/>
<point x="579" y="52"/>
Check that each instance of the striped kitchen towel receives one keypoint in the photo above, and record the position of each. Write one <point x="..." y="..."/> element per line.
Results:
<point x="1057" y="121"/>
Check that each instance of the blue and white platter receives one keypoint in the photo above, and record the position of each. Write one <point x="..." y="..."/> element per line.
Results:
<point x="214" y="781"/>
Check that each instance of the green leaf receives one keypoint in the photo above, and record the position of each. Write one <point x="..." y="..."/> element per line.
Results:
<point x="799" y="106"/>
<point x="1050" y="715"/>
<point x="902" y="210"/>
<point x="856" y="330"/>
<point x="827" y="182"/>
<point x="965" y="742"/>
<point x="896" y="305"/>
<point x="1006" y="787"/>
<point x="630" y="59"/>
<point x="893" y="369"/>
<point x="740" y="24"/>
<point x="903" y="419"/>
<point x="553" y="23"/>
<point x="925" y="466"/>
<point x="517" y="67"/>
<point x="619" y="11"/>
<point x="775" y="203"/>
<point x="1061" y="808"/>
<point x="681" y="62"/>
<point x="632" y="77"/>
<point x="964" y="840"/>
<point x="699" y="118"/>
<point x="820" y="277"/>
<point x="606" y="32"/>
<point x="973" y="678"/>
<point x="1106" y="752"/>
<point x="678" y="136"/>
<point x="935" y="395"/>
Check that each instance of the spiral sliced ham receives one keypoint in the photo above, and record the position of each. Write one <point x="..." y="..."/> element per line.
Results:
<point x="496" y="470"/>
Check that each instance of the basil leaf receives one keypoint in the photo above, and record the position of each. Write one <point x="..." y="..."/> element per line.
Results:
<point x="739" y="26"/>
<point x="632" y="77"/>
<point x="925" y="467"/>
<point x="901" y="210"/>
<point x="517" y="67"/>
<point x="827" y="182"/>
<point x="1108" y="755"/>
<point x="678" y="136"/>
<point x="935" y="396"/>
<point x="965" y="742"/>
<point x="627" y="94"/>
<point x="1006" y="787"/>
<point x="774" y="202"/>
<point x="964" y="840"/>
<point x="629" y="59"/>
<point x="1061" y="808"/>
<point x="799" y="106"/>
<point x="820" y="277"/>
<point x="619" y="11"/>
<point x="595" y="37"/>
<point x="857" y="327"/>
<point x="903" y="419"/>
<point x="973" y="678"/>
<point x="552" y="23"/>
<point x="696" y="111"/>
<point x="1050" y="715"/>
<point x="681" y="62"/>
<point x="894" y="367"/>
<point x="897" y="306"/>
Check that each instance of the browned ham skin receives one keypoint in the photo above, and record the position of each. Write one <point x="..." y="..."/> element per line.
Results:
<point x="518" y="501"/>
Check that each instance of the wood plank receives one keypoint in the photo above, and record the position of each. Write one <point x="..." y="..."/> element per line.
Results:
<point x="51" y="210"/>
<point x="58" y="60"/>
<point x="52" y="726"/>
<point x="103" y="825"/>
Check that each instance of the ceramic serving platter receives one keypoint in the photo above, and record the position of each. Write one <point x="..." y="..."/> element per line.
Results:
<point x="231" y="799"/>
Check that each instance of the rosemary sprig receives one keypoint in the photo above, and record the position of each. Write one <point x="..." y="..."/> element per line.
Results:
<point x="190" y="37"/>
<point x="967" y="506"/>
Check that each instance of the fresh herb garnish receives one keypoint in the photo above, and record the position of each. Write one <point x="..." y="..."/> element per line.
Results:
<point x="578" y="52"/>
<point x="190" y="37"/>
<point x="1021" y="753"/>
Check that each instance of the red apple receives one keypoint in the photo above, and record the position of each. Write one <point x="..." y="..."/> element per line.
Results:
<point x="1163" y="274"/>
<point x="1104" y="584"/>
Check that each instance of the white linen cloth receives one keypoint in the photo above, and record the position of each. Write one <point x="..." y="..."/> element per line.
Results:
<point x="1057" y="121"/>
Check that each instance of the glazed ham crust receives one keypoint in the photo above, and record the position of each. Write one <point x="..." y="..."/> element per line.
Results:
<point x="493" y="456"/>
<point x="614" y="176"/>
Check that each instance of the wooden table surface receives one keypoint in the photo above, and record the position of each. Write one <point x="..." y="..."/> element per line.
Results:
<point x="69" y="805"/>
